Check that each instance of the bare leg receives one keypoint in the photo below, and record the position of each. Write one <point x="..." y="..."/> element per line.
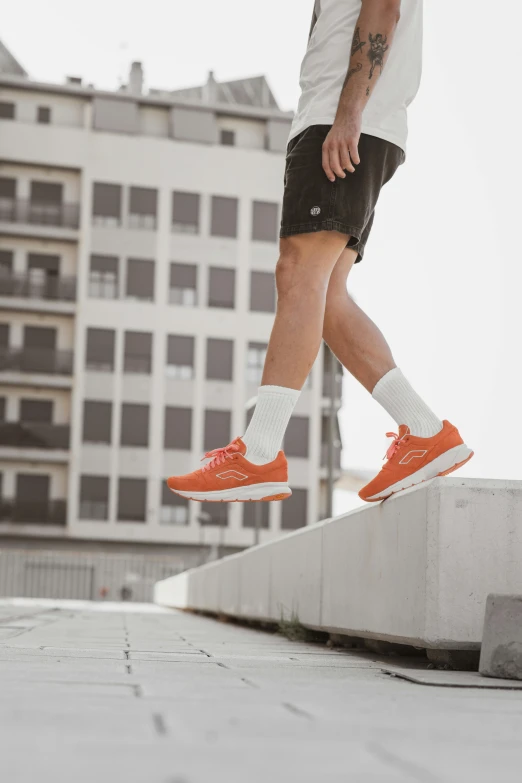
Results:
<point x="353" y="337"/>
<point x="302" y="275"/>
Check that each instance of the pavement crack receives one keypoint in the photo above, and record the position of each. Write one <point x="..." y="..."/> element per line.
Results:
<point x="249" y="682"/>
<point x="159" y="724"/>
<point x="297" y="711"/>
<point x="414" y="771"/>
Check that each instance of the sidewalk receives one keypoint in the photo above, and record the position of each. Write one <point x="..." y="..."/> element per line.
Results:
<point x="144" y="695"/>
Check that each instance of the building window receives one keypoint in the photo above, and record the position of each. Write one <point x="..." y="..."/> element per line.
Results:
<point x="221" y="287"/>
<point x="180" y="357"/>
<point x="46" y="203"/>
<point x="143" y="208"/>
<point x="132" y="500"/>
<point x="294" y="510"/>
<point x="262" y="292"/>
<point x="7" y="111"/>
<point x="36" y="410"/>
<point x="100" y="350"/>
<point x="106" y="205"/>
<point x="94" y="497"/>
<point x="2" y="410"/>
<point x="217" y="429"/>
<point x="265" y="221"/>
<point x="43" y="115"/>
<point x="220" y="359"/>
<point x="227" y="137"/>
<point x="183" y="284"/>
<point x="256" y="355"/>
<point x="140" y="280"/>
<point x="6" y="263"/>
<point x="178" y="428"/>
<point x="185" y="212"/>
<point x="224" y="217"/>
<point x="296" y="437"/>
<point x="213" y="514"/>
<point x="134" y="425"/>
<point x="174" y="508"/>
<point x="138" y="353"/>
<point x="103" y="277"/>
<point x="249" y="515"/>
<point x="97" y="421"/>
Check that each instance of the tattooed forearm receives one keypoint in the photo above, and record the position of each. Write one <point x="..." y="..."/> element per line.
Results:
<point x="357" y="44"/>
<point x="376" y="52"/>
<point x="351" y="72"/>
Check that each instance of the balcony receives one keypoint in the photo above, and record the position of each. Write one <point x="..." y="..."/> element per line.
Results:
<point x="338" y="385"/>
<point x="31" y="286"/>
<point x="337" y="456"/>
<point x="33" y="213"/>
<point x="37" y="512"/>
<point x="40" y="361"/>
<point x="34" y="435"/>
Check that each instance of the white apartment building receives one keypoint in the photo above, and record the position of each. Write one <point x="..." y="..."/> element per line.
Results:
<point x="138" y="240"/>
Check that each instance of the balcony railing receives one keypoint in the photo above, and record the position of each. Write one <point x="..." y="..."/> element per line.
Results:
<point x="38" y="360"/>
<point x="337" y="456"/>
<point x="28" y="286"/>
<point x="338" y="385"/>
<point x="34" y="435"/>
<point x="35" y="512"/>
<point x="33" y="213"/>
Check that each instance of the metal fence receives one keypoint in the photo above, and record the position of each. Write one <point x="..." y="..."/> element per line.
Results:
<point x="90" y="576"/>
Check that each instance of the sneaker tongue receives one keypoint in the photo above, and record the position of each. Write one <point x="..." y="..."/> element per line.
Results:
<point x="241" y="446"/>
<point x="403" y="430"/>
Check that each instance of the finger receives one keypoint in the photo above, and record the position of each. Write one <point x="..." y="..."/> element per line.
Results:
<point x="354" y="152"/>
<point x="335" y="162"/>
<point x="326" y="164"/>
<point x="346" y="163"/>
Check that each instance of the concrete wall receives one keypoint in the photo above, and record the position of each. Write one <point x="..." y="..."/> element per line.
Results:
<point x="415" y="569"/>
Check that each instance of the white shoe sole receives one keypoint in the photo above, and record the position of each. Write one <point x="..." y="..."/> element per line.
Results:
<point x="445" y="463"/>
<point x="273" y="491"/>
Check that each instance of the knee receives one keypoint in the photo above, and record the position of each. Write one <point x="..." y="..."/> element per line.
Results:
<point x="297" y="270"/>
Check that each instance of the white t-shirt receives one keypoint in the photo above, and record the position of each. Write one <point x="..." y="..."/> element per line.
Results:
<point x="326" y="61"/>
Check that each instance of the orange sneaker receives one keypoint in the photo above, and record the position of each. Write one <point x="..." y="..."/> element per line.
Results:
<point x="412" y="460"/>
<point x="230" y="477"/>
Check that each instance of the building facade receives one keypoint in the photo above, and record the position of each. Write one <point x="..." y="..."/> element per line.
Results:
<point x="138" y="240"/>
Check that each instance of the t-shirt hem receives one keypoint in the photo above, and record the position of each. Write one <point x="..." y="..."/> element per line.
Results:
<point x="368" y="129"/>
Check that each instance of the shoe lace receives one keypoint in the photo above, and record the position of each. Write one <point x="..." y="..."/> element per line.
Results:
<point x="218" y="456"/>
<point x="395" y="446"/>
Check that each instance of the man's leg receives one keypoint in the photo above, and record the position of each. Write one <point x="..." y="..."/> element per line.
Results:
<point x="254" y="467"/>
<point x="302" y="275"/>
<point x="427" y="446"/>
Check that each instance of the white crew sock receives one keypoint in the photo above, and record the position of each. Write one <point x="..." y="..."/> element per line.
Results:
<point x="267" y="427"/>
<point x="397" y="396"/>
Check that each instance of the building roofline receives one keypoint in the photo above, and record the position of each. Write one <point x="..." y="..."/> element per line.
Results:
<point x="163" y="100"/>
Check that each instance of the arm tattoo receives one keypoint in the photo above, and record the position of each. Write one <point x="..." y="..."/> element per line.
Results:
<point x="367" y="91"/>
<point x="376" y="52"/>
<point x="357" y="44"/>
<point x="351" y="72"/>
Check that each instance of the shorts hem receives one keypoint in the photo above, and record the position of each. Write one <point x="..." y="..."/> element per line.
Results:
<point x="324" y="225"/>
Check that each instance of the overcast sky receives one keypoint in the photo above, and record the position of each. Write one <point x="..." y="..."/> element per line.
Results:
<point x="442" y="274"/>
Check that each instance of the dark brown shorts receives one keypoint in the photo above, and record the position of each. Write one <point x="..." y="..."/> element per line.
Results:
<point x="312" y="203"/>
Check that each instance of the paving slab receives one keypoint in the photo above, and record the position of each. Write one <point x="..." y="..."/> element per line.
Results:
<point x="168" y="697"/>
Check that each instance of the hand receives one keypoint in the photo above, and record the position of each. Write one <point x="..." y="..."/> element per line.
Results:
<point x="340" y="148"/>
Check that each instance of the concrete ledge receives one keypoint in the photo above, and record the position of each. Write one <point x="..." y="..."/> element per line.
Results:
<point x="501" y="653"/>
<point x="415" y="569"/>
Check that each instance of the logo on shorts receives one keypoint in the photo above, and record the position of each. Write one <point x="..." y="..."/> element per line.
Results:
<point x="315" y="211"/>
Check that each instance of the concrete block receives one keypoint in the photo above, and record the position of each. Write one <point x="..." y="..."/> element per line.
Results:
<point x="415" y="569"/>
<point x="501" y="653"/>
<point x="296" y="575"/>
